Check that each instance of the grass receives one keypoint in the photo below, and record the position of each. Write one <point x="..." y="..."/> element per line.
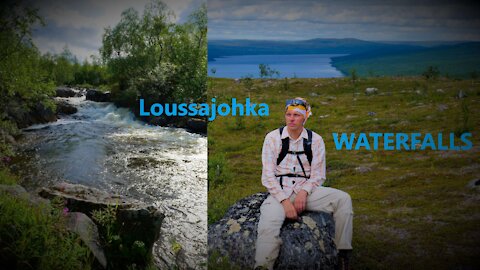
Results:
<point x="35" y="236"/>
<point x="412" y="208"/>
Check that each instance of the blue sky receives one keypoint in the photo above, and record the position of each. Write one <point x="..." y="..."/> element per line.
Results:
<point x="412" y="20"/>
<point x="80" y="24"/>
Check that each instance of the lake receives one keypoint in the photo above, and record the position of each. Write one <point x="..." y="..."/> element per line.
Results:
<point x="298" y="65"/>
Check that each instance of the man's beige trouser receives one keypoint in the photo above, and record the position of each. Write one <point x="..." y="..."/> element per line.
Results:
<point x="272" y="216"/>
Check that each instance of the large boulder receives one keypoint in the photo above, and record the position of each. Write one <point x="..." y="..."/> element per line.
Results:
<point x="63" y="107"/>
<point x="24" y="116"/>
<point x="20" y="192"/>
<point x="98" y="96"/>
<point x="197" y="125"/>
<point x="65" y="92"/>
<point x="307" y="243"/>
<point x="137" y="224"/>
<point x="87" y="230"/>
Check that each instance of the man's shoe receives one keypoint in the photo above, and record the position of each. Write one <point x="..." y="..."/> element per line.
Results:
<point x="344" y="259"/>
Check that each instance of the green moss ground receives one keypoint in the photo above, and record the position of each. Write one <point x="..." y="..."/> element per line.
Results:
<point x="413" y="209"/>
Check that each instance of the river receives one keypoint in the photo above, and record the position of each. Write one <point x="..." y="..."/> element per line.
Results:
<point x="105" y="147"/>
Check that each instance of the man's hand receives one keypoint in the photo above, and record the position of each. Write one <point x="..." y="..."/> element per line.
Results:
<point x="300" y="201"/>
<point x="290" y="211"/>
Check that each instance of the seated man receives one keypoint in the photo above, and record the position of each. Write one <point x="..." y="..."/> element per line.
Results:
<point x="293" y="171"/>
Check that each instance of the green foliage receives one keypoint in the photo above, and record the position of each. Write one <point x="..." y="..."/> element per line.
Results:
<point x="151" y="57"/>
<point x="7" y="178"/>
<point x="176" y="247"/>
<point x="22" y="77"/>
<point x="218" y="262"/>
<point x="64" y="69"/>
<point x="218" y="171"/>
<point x="353" y="75"/>
<point x="121" y="253"/>
<point x="35" y="236"/>
<point x="267" y="72"/>
<point x="21" y="74"/>
<point x="239" y="123"/>
<point x="463" y="123"/>
<point x="8" y="130"/>
<point x="285" y="85"/>
<point x="247" y="82"/>
<point x="431" y="72"/>
<point x="107" y="219"/>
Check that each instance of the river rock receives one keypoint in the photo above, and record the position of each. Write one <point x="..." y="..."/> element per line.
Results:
<point x="363" y="169"/>
<point x="307" y="243"/>
<point x="197" y="125"/>
<point x="87" y="230"/>
<point x="63" y="107"/>
<point x="20" y="192"/>
<point x="137" y="220"/>
<point x="461" y="94"/>
<point x="158" y="120"/>
<point x="65" y="92"/>
<point x="6" y="137"/>
<point x="474" y="184"/>
<point x="81" y="92"/>
<point x="37" y="114"/>
<point x="442" y="107"/>
<point x="371" y="91"/>
<point x="98" y="96"/>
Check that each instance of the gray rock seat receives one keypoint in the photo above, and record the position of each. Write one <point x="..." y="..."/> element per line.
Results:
<point x="307" y="243"/>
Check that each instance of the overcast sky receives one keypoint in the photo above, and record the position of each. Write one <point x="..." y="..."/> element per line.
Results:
<point x="80" y="24"/>
<point x="410" y="20"/>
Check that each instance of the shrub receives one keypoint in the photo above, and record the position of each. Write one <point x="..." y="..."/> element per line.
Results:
<point x="35" y="236"/>
<point x="218" y="171"/>
<point x="432" y="72"/>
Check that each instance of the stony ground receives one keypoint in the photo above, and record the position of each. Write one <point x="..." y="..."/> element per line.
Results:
<point x="412" y="208"/>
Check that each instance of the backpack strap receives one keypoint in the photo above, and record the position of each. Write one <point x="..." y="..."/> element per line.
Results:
<point x="307" y="146"/>
<point x="285" y="146"/>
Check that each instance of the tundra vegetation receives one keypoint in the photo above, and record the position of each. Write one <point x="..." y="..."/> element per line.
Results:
<point x="413" y="209"/>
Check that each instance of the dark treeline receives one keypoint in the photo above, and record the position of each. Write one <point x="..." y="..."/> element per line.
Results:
<point x="65" y="69"/>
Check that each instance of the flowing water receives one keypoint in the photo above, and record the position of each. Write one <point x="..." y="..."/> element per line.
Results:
<point x="105" y="147"/>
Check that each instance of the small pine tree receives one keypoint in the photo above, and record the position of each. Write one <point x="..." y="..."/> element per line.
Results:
<point x="432" y="72"/>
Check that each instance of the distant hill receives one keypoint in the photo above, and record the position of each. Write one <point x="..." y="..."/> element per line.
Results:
<point x="457" y="61"/>
<point x="220" y="48"/>
<point x="368" y="58"/>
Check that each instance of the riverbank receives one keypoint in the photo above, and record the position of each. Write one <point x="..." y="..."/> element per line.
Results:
<point x="106" y="147"/>
<point x="32" y="235"/>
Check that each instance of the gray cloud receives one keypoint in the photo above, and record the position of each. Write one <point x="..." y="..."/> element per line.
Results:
<point x="80" y="24"/>
<point x="77" y="37"/>
<point x="371" y="20"/>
